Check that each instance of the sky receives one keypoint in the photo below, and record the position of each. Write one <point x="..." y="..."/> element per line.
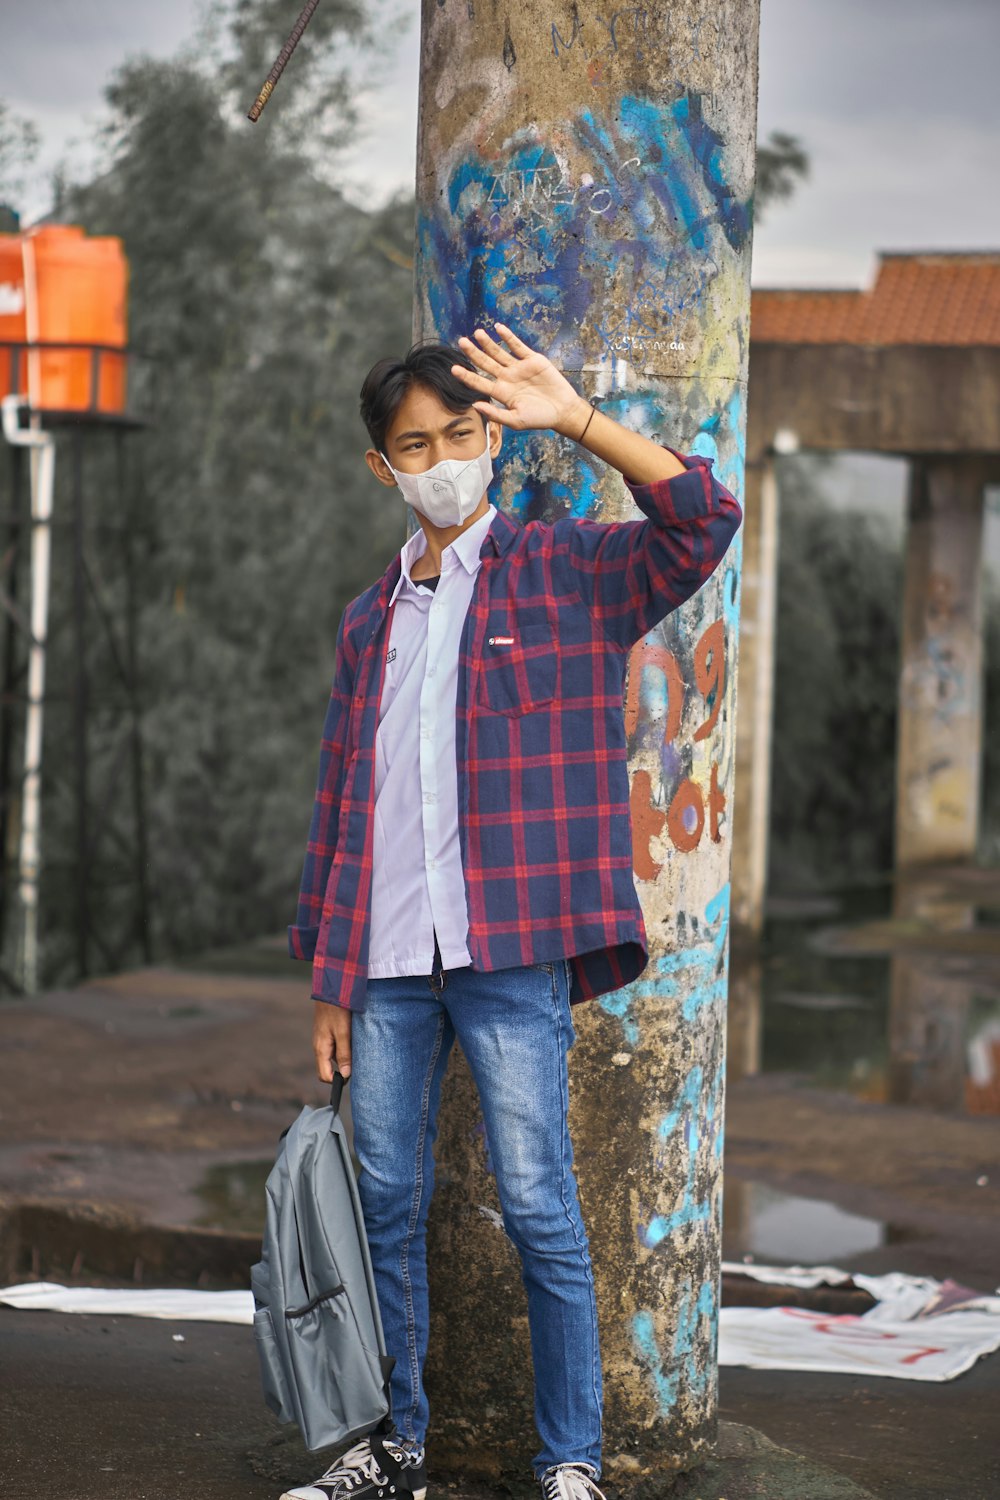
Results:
<point x="895" y="100"/>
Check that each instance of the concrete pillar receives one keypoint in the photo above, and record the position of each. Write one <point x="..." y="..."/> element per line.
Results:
<point x="752" y="804"/>
<point x="940" y="735"/>
<point x="585" y="174"/>
<point x="930" y="997"/>
<point x="745" y="1013"/>
<point x="931" y="991"/>
<point x="939" y="763"/>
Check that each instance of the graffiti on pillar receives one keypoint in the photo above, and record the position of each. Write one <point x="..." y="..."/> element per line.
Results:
<point x="658" y="684"/>
<point x="684" y="1131"/>
<point x="937" y="680"/>
<point x="695" y="972"/>
<point x="633" y="28"/>
<point x="609" y="235"/>
<point x="689" y="1136"/>
<point x="636" y="30"/>
<point x="693" y="1341"/>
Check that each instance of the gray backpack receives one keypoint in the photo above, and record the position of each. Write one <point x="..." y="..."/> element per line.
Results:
<point x="317" y="1328"/>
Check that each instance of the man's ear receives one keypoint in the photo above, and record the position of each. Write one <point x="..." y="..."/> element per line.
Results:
<point x="494" y="437"/>
<point x="380" y="468"/>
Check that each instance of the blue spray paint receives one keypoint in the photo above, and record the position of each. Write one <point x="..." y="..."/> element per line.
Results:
<point x="698" y="970"/>
<point x="666" y="1375"/>
<point x="527" y="242"/>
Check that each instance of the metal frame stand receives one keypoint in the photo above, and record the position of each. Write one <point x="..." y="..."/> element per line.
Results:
<point x="104" y="935"/>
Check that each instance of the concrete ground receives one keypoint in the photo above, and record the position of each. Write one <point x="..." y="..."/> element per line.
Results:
<point x="115" y="1409"/>
<point x="157" y="1098"/>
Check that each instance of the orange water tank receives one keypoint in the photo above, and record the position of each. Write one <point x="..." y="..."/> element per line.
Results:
<point x="60" y="286"/>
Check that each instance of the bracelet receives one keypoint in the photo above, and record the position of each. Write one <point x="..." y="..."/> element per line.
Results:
<point x="583" y="434"/>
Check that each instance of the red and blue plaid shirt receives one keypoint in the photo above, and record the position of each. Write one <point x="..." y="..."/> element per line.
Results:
<point x="543" y="785"/>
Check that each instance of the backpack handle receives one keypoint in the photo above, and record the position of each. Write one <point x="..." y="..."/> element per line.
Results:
<point x="337" y="1091"/>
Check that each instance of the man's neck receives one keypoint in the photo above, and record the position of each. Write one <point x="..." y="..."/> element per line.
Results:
<point x="428" y="564"/>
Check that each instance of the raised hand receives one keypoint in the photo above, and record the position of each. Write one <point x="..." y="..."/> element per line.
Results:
<point x="533" y="393"/>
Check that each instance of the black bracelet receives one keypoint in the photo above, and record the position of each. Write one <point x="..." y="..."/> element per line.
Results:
<point x="583" y="434"/>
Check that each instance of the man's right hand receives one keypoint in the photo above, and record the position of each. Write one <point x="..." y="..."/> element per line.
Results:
<point x="331" y="1040"/>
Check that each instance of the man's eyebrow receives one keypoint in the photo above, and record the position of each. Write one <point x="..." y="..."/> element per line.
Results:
<point x="400" y="436"/>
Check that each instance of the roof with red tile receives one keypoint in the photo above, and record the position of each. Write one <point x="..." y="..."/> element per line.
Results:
<point x="923" y="298"/>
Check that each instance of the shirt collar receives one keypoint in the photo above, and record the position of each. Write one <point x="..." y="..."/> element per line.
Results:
<point x="466" y="548"/>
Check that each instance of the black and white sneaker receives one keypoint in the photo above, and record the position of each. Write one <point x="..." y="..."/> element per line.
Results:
<point x="359" y="1475"/>
<point x="570" y="1482"/>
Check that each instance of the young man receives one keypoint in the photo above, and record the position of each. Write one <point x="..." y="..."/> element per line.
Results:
<point x="469" y="864"/>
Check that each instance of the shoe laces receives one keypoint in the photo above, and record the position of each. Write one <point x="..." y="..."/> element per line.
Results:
<point x="570" y="1482"/>
<point x="354" y="1467"/>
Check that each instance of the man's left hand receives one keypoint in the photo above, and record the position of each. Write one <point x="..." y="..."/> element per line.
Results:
<point x="533" y="393"/>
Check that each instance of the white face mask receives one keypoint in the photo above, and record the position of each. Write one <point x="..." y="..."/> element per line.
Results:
<point x="448" y="493"/>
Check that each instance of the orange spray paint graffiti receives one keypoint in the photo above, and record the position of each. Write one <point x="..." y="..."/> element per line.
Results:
<point x="690" y="805"/>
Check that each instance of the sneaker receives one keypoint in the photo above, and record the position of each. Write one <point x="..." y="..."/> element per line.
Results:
<point x="570" y="1482"/>
<point x="357" y="1475"/>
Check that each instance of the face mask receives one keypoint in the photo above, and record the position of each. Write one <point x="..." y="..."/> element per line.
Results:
<point x="450" y="491"/>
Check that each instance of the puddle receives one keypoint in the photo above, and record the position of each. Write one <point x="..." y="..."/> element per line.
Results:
<point x="828" y="1013"/>
<point x="233" y="1196"/>
<point x="772" y="1227"/>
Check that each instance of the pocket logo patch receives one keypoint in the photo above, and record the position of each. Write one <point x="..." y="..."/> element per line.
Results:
<point x="500" y="640"/>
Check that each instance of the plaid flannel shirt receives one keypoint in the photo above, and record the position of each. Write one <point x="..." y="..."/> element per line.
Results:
<point x="543" y="786"/>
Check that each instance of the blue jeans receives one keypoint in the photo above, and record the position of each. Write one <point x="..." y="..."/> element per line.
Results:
<point x="515" y="1029"/>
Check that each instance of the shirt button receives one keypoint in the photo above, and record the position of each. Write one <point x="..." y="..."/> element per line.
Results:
<point x="430" y="671"/>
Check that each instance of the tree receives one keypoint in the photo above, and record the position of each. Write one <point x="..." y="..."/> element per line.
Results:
<point x="261" y="292"/>
<point x="782" y="162"/>
<point x="836" y="670"/>
<point x="19" y="143"/>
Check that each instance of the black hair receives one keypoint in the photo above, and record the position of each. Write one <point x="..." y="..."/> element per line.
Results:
<point x="427" y="363"/>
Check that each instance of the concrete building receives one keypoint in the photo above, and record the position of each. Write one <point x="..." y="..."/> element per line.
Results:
<point x="909" y="368"/>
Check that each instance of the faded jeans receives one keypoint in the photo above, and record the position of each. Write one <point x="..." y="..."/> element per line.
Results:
<point x="515" y="1029"/>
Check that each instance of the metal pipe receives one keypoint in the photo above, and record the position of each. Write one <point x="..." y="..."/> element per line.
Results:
<point x="10" y="673"/>
<point x="43" y="464"/>
<point x="128" y="508"/>
<point x="80" y="710"/>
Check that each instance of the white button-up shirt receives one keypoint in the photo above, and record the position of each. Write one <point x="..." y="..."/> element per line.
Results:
<point x="418" y="885"/>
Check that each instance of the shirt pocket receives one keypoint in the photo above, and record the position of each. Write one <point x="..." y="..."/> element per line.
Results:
<point x="518" y="670"/>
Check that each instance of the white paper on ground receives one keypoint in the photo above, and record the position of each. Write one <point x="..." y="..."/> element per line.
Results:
<point x="139" y="1302"/>
<point x="787" y="1275"/>
<point x="919" y="1328"/>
